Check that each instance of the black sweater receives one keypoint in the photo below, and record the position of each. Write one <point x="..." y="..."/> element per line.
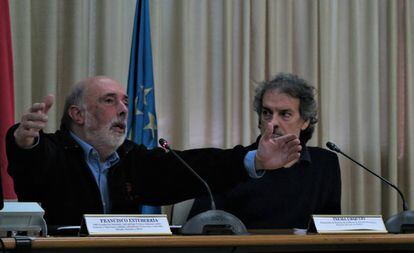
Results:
<point x="287" y="197"/>
<point x="55" y="174"/>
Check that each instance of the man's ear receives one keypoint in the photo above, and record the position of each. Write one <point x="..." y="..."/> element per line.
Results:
<point x="77" y="114"/>
<point x="305" y="125"/>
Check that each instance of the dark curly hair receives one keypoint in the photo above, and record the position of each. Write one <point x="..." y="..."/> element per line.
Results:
<point x="295" y="87"/>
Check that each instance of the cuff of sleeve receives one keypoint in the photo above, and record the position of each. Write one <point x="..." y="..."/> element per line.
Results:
<point x="36" y="142"/>
<point x="250" y="167"/>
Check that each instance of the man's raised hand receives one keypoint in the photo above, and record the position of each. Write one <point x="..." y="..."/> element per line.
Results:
<point x="32" y="122"/>
<point x="274" y="153"/>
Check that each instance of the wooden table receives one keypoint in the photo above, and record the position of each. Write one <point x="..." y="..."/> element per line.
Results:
<point x="246" y="243"/>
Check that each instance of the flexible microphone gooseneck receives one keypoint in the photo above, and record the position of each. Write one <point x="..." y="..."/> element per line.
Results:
<point x="400" y="223"/>
<point x="163" y="143"/>
<point x="211" y="222"/>
<point x="334" y="147"/>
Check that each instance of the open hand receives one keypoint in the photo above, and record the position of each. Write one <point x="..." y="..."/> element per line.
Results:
<point x="274" y="153"/>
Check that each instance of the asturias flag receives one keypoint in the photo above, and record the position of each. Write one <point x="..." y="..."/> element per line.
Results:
<point x="142" y="121"/>
<point x="7" y="95"/>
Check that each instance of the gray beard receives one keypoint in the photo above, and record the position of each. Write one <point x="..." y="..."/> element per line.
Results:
<point x="103" y="139"/>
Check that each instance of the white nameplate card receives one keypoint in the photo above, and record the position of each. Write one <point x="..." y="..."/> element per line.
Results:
<point x="125" y="225"/>
<point x="329" y="224"/>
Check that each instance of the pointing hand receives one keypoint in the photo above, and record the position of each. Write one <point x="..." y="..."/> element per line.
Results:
<point x="32" y="122"/>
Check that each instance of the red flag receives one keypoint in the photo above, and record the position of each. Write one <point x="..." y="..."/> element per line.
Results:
<point x="6" y="95"/>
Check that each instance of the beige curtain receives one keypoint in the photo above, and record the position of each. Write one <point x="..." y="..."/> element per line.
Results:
<point x="209" y="54"/>
<point x="57" y="43"/>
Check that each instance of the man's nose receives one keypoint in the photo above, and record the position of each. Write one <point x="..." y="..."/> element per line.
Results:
<point x="274" y="121"/>
<point x="123" y="109"/>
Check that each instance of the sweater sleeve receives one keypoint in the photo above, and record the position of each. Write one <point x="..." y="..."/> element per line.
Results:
<point x="161" y="178"/>
<point x="25" y="167"/>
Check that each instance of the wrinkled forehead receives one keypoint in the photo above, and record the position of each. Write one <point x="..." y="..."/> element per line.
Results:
<point x="104" y="86"/>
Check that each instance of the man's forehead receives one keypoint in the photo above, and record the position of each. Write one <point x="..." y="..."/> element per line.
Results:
<point x="275" y="96"/>
<point x="106" y="87"/>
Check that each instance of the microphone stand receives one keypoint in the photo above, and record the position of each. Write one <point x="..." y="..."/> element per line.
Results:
<point x="402" y="222"/>
<point x="213" y="221"/>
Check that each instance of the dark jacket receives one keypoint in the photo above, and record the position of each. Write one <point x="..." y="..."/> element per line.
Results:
<point x="287" y="197"/>
<point x="55" y="174"/>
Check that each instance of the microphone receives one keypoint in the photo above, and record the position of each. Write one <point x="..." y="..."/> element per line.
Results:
<point x="213" y="221"/>
<point x="163" y="143"/>
<point x="402" y="222"/>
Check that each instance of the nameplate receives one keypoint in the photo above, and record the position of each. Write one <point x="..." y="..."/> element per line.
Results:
<point x="124" y="225"/>
<point x="329" y="224"/>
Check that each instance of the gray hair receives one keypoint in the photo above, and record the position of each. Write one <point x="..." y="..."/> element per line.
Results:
<point x="75" y="98"/>
<point x="295" y="87"/>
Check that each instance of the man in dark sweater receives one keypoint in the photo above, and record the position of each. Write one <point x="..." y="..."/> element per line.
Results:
<point x="311" y="184"/>
<point x="88" y="167"/>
